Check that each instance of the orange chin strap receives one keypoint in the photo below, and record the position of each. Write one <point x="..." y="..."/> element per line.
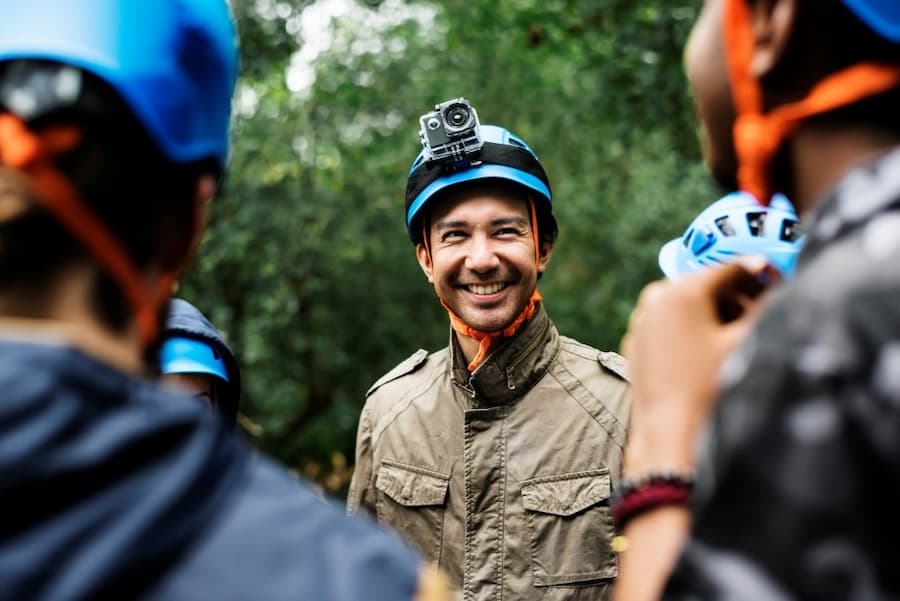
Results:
<point x="32" y="154"/>
<point x="486" y="339"/>
<point x="757" y="135"/>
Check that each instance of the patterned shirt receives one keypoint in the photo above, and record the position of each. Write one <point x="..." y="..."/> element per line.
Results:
<point x="799" y="493"/>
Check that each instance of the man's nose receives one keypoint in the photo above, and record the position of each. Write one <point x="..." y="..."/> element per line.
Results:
<point x="482" y="255"/>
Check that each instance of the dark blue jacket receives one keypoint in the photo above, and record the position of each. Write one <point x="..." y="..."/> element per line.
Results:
<point x="113" y="488"/>
<point x="184" y="319"/>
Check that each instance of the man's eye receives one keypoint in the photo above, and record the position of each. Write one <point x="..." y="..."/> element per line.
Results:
<point x="508" y="231"/>
<point x="453" y="235"/>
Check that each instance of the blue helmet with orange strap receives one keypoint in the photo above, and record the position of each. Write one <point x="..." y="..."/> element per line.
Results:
<point x="174" y="62"/>
<point x="758" y="131"/>
<point x="475" y="152"/>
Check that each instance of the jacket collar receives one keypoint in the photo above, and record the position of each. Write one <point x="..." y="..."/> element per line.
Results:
<point x="513" y="368"/>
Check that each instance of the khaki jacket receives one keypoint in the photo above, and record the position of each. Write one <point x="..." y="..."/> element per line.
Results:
<point x="501" y="477"/>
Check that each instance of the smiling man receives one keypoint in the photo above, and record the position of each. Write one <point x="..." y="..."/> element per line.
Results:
<point x="496" y="455"/>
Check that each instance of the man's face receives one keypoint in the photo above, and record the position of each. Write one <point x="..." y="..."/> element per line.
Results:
<point x="200" y="386"/>
<point x="704" y="61"/>
<point x="482" y="262"/>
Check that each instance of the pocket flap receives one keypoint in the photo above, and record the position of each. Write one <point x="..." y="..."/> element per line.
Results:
<point x="412" y="486"/>
<point x="566" y="494"/>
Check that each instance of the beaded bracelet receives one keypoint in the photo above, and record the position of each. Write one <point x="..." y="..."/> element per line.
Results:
<point x="653" y="490"/>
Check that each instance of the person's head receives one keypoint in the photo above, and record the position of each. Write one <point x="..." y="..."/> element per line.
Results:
<point x="115" y="115"/>
<point x="194" y="355"/>
<point x="736" y="225"/>
<point x="481" y="218"/>
<point x="756" y="58"/>
<point x="196" y="366"/>
<point x="482" y="254"/>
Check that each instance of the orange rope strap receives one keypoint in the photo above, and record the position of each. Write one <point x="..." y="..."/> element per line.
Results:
<point x="758" y="136"/>
<point x="486" y="339"/>
<point x="32" y="154"/>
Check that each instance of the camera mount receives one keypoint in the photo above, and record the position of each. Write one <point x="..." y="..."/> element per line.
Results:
<point x="450" y="134"/>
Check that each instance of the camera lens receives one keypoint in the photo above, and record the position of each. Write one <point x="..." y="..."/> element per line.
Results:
<point x="457" y="116"/>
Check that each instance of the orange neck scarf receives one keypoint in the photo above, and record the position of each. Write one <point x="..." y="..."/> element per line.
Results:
<point x="486" y="339"/>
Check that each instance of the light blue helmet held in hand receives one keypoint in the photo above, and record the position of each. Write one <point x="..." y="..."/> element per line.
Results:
<point x="733" y="226"/>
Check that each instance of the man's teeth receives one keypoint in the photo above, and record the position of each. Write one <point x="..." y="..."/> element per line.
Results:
<point x="487" y="288"/>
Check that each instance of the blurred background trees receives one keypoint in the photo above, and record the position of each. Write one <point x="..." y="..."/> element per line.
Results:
<point x="307" y="267"/>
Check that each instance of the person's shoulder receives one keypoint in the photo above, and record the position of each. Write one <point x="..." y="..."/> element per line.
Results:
<point x="598" y="382"/>
<point x="408" y="372"/>
<point x="586" y="358"/>
<point x="281" y="539"/>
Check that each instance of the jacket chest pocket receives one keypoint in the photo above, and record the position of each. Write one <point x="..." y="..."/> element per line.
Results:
<point x="411" y="500"/>
<point x="571" y="526"/>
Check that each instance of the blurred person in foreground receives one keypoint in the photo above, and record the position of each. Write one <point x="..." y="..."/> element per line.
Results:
<point x="114" y="118"/>
<point x="788" y="406"/>
<point x="495" y="456"/>
<point x="193" y="355"/>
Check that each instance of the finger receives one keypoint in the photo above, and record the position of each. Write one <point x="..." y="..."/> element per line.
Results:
<point x="743" y="276"/>
<point x="737" y="329"/>
<point x="730" y="287"/>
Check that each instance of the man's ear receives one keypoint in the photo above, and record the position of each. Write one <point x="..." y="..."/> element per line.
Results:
<point x="546" y="253"/>
<point x="773" y="26"/>
<point x="424" y="258"/>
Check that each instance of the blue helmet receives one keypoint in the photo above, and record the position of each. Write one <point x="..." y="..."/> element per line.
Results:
<point x="504" y="156"/>
<point x="174" y="62"/>
<point x="732" y="226"/>
<point x="179" y="355"/>
<point x="882" y="16"/>
<point x="192" y="344"/>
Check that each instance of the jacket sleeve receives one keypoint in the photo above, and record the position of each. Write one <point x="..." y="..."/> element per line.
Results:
<point x="797" y="476"/>
<point x="362" y="486"/>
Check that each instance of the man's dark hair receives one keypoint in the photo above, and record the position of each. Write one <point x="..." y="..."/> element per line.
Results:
<point x="146" y="201"/>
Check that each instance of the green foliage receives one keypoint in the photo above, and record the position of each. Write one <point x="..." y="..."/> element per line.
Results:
<point x="307" y="266"/>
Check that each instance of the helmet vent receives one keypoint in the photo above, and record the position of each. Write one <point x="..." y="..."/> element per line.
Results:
<point x="757" y="223"/>
<point x="724" y="225"/>
<point x="790" y="230"/>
